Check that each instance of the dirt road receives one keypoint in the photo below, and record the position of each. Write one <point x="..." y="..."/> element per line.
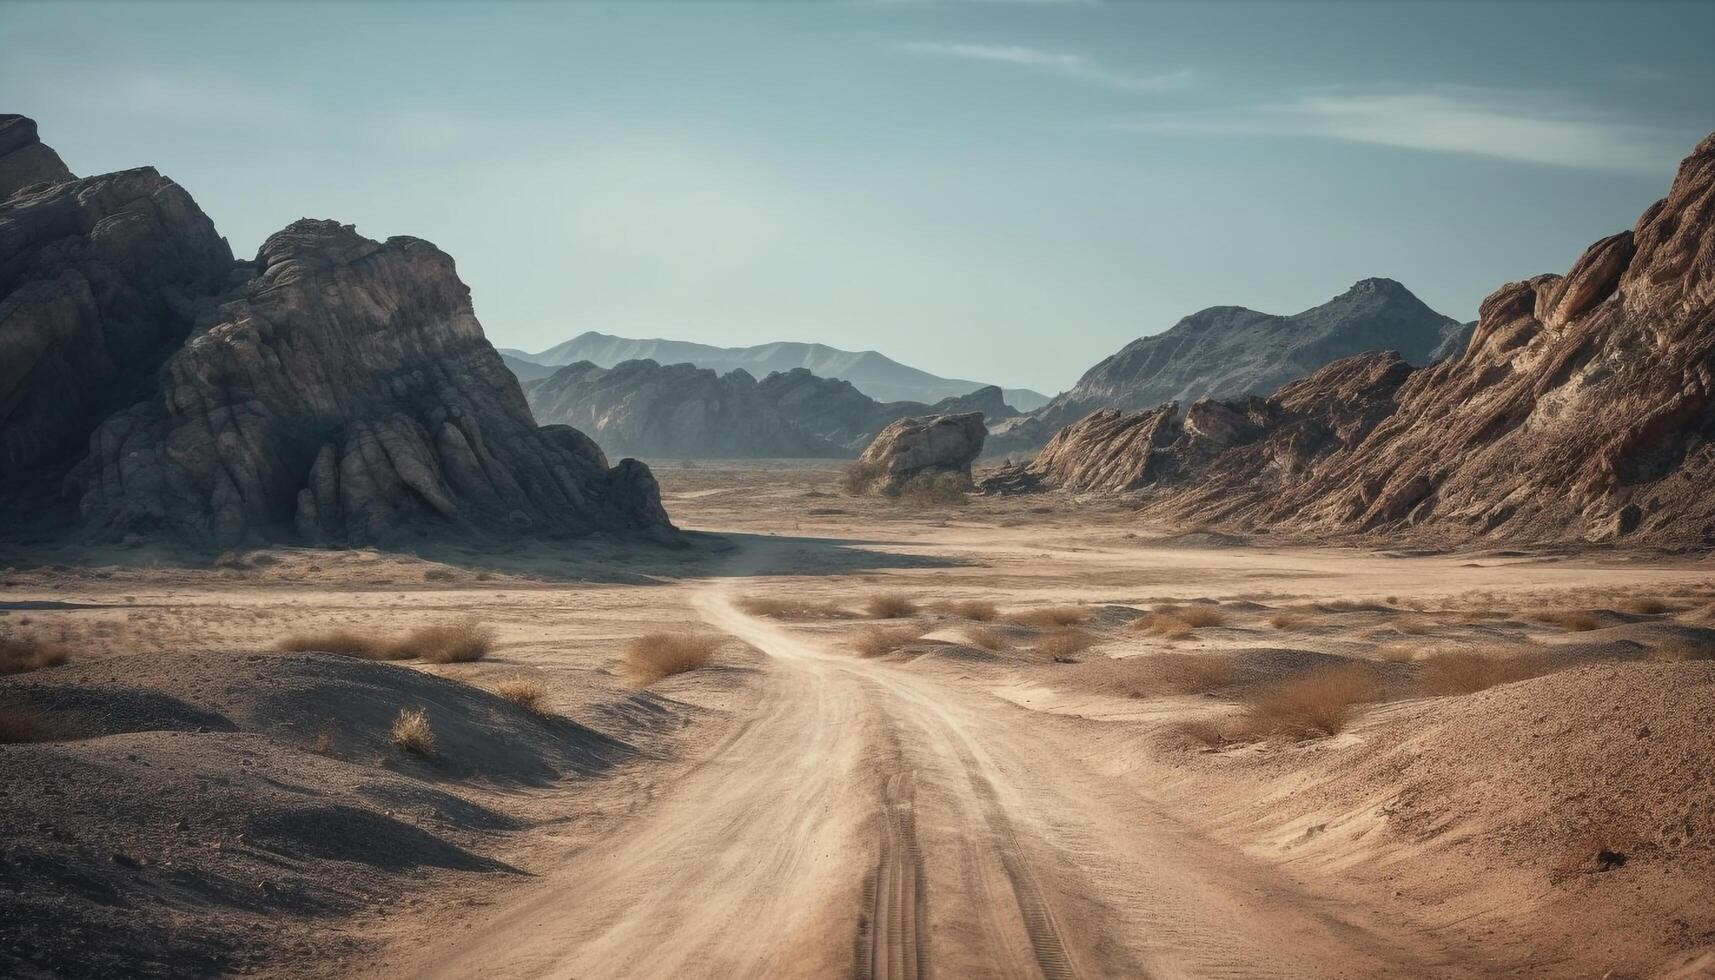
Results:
<point x="868" y="819"/>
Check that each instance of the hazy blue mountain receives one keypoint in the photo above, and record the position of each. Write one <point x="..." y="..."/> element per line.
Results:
<point x="876" y="375"/>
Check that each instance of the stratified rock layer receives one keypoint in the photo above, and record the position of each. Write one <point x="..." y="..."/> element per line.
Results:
<point x="923" y="445"/>
<point x="1583" y="407"/>
<point x="344" y="392"/>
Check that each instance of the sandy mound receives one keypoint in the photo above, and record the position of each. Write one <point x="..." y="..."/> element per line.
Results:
<point x="199" y="813"/>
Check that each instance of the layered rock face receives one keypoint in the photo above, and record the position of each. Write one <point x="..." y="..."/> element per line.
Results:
<point x="99" y="278"/>
<point x="649" y="409"/>
<point x="923" y="445"/>
<point x="1582" y="408"/>
<point x="343" y="392"/>
<point x="1217" y="457"/>
<point x="1230" y="352"/>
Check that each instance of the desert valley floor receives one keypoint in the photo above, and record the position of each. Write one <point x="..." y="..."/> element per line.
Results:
<point x="1013" y="738"/>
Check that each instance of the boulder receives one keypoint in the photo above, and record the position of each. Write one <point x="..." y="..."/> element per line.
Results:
<point x="922" y="445"/>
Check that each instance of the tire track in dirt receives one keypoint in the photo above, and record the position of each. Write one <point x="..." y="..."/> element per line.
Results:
<point x="893" y="947"/>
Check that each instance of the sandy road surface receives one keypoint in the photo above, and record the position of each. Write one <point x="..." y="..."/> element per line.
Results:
<point x="866" y="819"/>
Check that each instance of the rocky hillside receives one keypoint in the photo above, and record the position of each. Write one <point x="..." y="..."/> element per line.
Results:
<point x="1582" y="408"/>
<point x="876" y="375"/>
<point x="648" y="409"/>
<point x="335" y="389"/>
<point x="1230" y="352"/>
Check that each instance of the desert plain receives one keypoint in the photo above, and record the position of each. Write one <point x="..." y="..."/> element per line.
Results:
<point x="832" y="735"/>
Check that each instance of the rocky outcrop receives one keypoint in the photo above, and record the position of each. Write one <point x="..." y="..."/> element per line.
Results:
<point x="1229" y="352"/>
<point x="1217" y="456"/>
<point x="648" y="409"/>
<point x="25" y="160"/>
<point x="343" y="392"/>
<point x="922" y="445"/>
<point x="99" y="278"/>
<point x="1582" y="408"/>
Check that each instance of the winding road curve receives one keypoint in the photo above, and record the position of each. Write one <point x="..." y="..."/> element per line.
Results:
<point x="868" y="819"/>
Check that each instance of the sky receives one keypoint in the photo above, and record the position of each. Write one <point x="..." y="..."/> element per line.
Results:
<point x="1000" y="191"/>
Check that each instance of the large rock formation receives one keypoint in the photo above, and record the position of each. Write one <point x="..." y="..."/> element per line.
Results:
<point x="922" y="446"/>
<point x="1583" y="407"/>
<point x="648" y="409"/>
<point x="1229" y="352"/>
<point x="98" y="280"/>
<point x="345" y="391"/>
<point x="335" y="389"/>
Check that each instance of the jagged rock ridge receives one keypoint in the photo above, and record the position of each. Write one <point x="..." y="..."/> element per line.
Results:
<point x="1230" y="352"/>
<point x="1583" y="407"/>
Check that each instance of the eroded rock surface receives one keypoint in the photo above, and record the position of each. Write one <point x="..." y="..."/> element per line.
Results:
<point x="344" y="392"/>
<point x="1583" y="407"/>
<point x="923" y="445"/>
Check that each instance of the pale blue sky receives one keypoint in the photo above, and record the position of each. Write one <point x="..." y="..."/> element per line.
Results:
<point x="1001" y="191"/>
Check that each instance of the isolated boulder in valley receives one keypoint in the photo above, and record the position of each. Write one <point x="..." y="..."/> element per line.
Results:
<point x="343" y="392"/>
<point x="922" y="445"/>
<point x="98" y="279"/>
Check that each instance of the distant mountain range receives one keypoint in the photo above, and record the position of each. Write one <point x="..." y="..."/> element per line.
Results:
<point x="1228" y="352"/>
<point x="876" y="375"/>
<point x="641" y="408"/>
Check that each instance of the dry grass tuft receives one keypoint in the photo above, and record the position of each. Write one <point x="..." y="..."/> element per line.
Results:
<point x="1312" y="704"/>
<point x="651" y="657"/>
<point x="22" y="654"/>
<point x="346" y="643"/>
<point x="19" y="724"/>
<point x="453" y="643"/>
<point x="1470" y="671"/>
<point x="878" y="642"/>
<point x="1576" y="620"/>
<point x="1645" y="606"/>
<point x="777" y="608"/>
<point x="525" y="694"/>
<point x="1052" y="617"/>
<point x="1062" y="646"/>
<point x="411" y="732"/>
<point x="973" y="609"/>
<point x="890" y="605"/>
<point x="1288" y="619"/>
<point x="986" y="638"/>
<point x="1202" y="615"/>
<point x="1191" y="673"/>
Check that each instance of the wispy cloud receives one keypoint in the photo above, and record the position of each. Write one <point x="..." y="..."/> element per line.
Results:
<point x="1505" y="125"/>
<point x="1064" y="64"/>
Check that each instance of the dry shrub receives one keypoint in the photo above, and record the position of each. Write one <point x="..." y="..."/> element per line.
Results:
<point x="1190" y="673"/>
<point x="890" y="605"/>
<point x="1164" y="622"/>
<point x="22" y="654"/>
<point x="986" y="638"/>
<point x="411" y="732"/>
<point x="525" y="694"/>
<point x="975" y="609"/>
<point x="1645" y="606"/>
<point x="880" y="642"/>
<point x="453" y="643"/>
<point x="1288" y="619"/>
<point x="1576" y="620"/>
<point x="1316" y="703"/>
<point x="651" y="657"/>
<point x="1062" y="646"/>
<point x="1470" y="671"/>
<point x="19" y="724"/>
<point x="858" y="477"/>
<point x="935" y="489"/>
<point x="346" y="643"/>
<point x="777" y="608"/>
<point x="1202" y="614"/>
<point x="1050" y="617"/>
